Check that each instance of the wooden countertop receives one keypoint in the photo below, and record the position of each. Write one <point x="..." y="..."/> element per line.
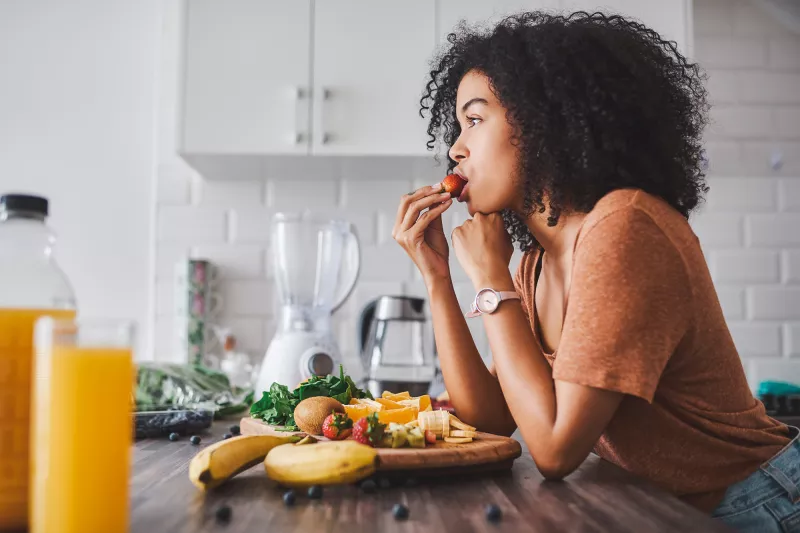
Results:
<point x="597" y="497"/>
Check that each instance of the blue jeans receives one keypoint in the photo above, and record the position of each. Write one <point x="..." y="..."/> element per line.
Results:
<point x="769" y="499"/>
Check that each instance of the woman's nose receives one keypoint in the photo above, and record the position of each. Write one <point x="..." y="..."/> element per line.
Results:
<point x="458" y="151"/>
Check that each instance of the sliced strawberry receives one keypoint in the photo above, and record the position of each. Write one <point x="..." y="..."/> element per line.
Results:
<point x="337" y="426"/>
<point x="454" y="184"/>
<point x="368" y="430"/>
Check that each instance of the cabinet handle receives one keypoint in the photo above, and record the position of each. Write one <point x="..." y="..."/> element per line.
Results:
<point x="299" y="94"/>
<point x="325" y="94"/>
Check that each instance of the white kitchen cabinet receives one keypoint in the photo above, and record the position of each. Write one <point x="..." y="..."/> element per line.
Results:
<point x="247" y="77"/>
<point x="370" y="66"/>
<point x="336" y="77"/>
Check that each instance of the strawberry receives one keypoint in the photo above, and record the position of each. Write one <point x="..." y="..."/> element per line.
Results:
<point x="430" y="437"/>
<point x="454" y="184"/>
<point x="337" y="426"/>
<point x="369" y="430"/>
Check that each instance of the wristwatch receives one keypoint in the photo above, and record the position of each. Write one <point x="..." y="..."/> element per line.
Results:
<point x="488" y="300"/>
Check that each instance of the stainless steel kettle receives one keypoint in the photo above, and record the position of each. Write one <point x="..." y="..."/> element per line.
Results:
<point x="396" y="345"/>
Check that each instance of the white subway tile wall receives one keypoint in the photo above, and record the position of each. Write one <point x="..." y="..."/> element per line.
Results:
<point x="750" y="224"/>
<point x="749" y="227"/>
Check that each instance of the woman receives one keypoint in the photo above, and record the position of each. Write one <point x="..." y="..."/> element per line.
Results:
<point x="580" y="140"/>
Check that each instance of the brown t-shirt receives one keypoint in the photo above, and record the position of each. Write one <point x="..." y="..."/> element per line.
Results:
<point x="643" y="318"/>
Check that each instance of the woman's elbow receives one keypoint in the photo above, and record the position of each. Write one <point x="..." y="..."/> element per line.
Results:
<point x="554" y="468"/>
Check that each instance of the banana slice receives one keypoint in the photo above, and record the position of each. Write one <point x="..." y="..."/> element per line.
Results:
<point x="458" y="440"/>
<point x="462" y="433"/>
<point x="455" y="422"/>
<point x="436" y="421"/>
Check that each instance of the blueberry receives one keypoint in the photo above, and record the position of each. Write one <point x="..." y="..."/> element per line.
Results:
<point x="493" y="513"/>
<point x="235" y="430"/>
<point x="288" y="498"/>
<point x="224" y="513"/>
<point x="227" y="436"/>
<point x="174" y="437"/>
<point x="400" y="511"/>
<point x="369" y="486"/>
<point x="411" y="482"/>
<point x="195" y="440"/>
<point x="315" y="492"/>
<point x="384" y="483"/>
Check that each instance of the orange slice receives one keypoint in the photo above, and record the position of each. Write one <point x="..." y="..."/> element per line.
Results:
<point x="357" y="412"/>
<point x="400" y="416"/>
<point x="375" y="406"/>
<point x="389" y="404"/>
<point x="422" y="403"/>
<point x="396" y="396"/>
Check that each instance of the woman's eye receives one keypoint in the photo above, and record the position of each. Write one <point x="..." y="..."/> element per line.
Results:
<point x="473" y="120"/>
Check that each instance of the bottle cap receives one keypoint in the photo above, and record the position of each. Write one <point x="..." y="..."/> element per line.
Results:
<point x="24" y="202"/>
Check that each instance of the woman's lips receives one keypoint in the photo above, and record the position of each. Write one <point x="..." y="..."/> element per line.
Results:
<point x="463" y="196"/>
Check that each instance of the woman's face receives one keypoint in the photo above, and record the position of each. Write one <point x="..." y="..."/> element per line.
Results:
<point x="483" y="151"/>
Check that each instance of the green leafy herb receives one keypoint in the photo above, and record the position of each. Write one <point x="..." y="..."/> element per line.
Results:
<point x="276" y="406"/>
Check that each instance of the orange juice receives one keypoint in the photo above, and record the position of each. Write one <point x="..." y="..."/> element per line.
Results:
<point x="16" y="362"/>
<point x="82" y="443"/>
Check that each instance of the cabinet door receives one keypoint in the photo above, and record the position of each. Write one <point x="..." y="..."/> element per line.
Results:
<point x="247" y="86"/>
<point x="670" y="18"/>
<point x="370" y="66"/>
<point x="483" y="11"/>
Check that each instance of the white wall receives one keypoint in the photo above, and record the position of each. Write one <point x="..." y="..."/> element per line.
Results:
<point x="750" y="227"/>
<point x="77" y="110"/>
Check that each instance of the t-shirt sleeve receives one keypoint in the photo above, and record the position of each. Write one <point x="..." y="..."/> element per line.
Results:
<point x="628" y="307"/>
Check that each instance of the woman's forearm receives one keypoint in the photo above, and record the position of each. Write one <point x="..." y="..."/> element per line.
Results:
<point x="474" y="392"/>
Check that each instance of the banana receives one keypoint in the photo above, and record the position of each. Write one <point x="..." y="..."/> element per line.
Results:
<point x="325" y="463"/>
<point x="458" y="440"/>
<point x="215" y="464"/>
<point x="455" y="422"/>
<point x="436" y="421"/>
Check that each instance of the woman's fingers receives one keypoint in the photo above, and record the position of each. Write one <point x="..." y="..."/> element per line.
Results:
<point x="430" y="216"/>
<point x="416" y="207"/>
<point x="406" y="200"/>
<point x="424" y="221"/>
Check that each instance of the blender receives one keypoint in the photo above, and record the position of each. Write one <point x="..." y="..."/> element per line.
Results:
<point x="316" y="262"/>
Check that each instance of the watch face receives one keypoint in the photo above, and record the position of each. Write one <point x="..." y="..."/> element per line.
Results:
<point x="487" y="301"/>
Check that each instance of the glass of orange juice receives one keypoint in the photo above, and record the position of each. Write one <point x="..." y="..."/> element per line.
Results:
<point x="81" y="426"/>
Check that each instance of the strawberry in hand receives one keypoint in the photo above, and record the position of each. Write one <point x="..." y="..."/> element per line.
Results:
<point x="454" y="184"/>
<point x="337" y="426"/>
<point x="369" y="430"/>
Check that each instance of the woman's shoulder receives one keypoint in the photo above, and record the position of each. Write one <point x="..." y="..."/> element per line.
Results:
<point x="625" y="213"/>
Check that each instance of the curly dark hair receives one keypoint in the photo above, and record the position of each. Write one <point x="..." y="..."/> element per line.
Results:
<point x="597" y="103"/>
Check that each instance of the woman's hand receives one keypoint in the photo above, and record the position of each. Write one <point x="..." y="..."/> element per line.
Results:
<point x="421" y="233"/>
<point x="484" y="248"/>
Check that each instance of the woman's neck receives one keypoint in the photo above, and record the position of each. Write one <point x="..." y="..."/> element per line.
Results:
<point x="559" y="240"/>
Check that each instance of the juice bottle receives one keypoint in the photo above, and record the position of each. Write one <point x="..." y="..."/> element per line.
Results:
<point x="31" y="285"/>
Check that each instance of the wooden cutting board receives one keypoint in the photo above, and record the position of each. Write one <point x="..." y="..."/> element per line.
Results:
<point x="486" y="453"/>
